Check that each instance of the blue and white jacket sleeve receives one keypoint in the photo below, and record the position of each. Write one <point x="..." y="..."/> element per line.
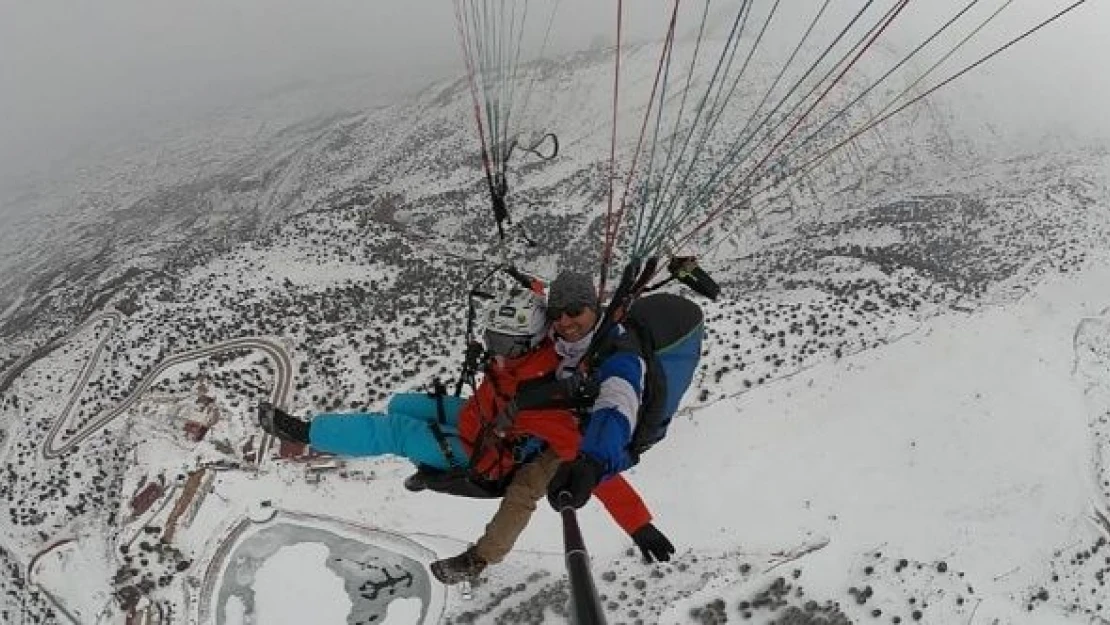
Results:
<point x="613" y="415"/>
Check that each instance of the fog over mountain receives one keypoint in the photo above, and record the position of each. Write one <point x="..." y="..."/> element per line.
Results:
<point x="81" y="79"/>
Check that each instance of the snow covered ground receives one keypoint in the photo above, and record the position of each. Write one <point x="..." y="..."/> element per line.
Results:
<point x="968" y="450"/>
<point x="952" y="473"/>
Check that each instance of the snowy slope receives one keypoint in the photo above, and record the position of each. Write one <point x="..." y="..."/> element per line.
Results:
<point x="902" y="405"/>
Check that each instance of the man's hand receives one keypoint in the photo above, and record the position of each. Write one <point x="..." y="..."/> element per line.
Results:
<point x="576" y="478"/>
<point x="653" y="544"/>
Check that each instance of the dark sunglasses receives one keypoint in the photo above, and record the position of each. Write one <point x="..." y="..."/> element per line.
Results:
<point x="573" y="310"/>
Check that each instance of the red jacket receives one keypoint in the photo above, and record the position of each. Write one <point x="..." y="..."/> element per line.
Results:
<point x="478" y="416"/>
<point x="557" y="427"/>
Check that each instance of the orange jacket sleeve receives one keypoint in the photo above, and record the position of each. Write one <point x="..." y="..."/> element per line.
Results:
<point x="558" y="428"/>
<point x="623" y="503"/>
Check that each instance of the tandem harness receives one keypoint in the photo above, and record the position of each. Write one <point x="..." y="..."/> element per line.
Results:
<point x="459" y="479"/>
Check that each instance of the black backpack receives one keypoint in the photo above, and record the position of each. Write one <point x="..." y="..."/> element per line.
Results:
<point x="668" y="329"/>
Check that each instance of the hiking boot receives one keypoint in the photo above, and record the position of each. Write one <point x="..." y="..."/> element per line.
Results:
<point x="417" y="481"/>
<point x="281" y="424"/>
<point x="461" y="568"/>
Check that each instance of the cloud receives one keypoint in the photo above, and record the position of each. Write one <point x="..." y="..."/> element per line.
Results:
<point x="76" y="73"/>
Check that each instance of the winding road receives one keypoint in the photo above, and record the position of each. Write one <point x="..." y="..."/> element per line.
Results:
<point x="52" y="448"/>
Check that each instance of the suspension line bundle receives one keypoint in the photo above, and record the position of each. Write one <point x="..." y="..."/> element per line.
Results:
<point x="687" y="169"/>
<point x="492" y="37"/>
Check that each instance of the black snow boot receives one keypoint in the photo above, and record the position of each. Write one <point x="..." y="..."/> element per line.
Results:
<point x="464" y="567"/>
<point x="281" y="424"/>
<point x="417" y="481"/>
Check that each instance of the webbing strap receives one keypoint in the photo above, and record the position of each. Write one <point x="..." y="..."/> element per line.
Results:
<point x="438" y="392"/>
<point x="444" y="445"/>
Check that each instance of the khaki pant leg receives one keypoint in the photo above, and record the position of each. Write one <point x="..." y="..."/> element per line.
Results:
<point x="528" y="486"/>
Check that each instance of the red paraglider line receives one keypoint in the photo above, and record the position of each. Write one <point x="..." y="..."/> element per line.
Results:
<point x="468" y="60"/>
<point x="607" y="247"/>
<point x="611" y="233"/>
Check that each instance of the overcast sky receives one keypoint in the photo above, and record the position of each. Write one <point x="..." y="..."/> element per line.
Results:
<point x="75" y="73"/>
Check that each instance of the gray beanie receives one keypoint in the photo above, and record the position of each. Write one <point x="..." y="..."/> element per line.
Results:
<point x="571" y="290"/>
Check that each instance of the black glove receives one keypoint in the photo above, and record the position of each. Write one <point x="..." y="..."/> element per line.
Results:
<point x="578" y="478"/>
<point x="653" y="544"/>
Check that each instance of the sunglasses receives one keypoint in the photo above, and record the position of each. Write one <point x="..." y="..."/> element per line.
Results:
<point x="572" y="310"/>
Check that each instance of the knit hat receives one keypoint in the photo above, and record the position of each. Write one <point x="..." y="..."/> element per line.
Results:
<point x="571" y="291"/>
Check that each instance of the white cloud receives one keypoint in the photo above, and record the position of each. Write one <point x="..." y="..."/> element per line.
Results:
<point x="76" y="74"/>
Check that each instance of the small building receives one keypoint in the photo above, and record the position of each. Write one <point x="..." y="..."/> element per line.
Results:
<point x="316" y="467"/>
<point x="195" y="430"/>
<point x="291" y="450"/>
<point x="146" y="497"/>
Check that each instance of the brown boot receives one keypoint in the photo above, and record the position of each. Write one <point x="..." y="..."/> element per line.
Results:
<point x="464" y="567"/>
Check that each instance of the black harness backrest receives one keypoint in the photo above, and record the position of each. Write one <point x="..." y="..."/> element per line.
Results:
<point x="658" y="322"/>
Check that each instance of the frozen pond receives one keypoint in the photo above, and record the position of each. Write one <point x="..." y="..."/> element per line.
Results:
<point x="288" y="572"/>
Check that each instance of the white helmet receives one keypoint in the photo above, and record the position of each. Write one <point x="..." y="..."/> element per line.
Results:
<point x="515" y="323"/>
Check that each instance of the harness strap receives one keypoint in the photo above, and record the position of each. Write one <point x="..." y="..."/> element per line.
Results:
<point x="444" y="445"/>
<point x="503" y="422"/>
<point x="438" y="392"/>
<point x="439" y="389"/>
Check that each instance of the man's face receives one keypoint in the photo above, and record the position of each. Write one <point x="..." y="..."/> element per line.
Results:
<point x="574" y="327"/>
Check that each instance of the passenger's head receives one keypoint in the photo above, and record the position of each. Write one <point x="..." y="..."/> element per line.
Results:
<point x="515" y="323"/>
<point x="572" y="305"/>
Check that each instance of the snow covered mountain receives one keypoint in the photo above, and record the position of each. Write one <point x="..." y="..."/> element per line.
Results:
<point x="901" y="415"/>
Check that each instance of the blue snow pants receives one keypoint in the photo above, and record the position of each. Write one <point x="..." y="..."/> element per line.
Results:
<point x="404" y="430"/>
